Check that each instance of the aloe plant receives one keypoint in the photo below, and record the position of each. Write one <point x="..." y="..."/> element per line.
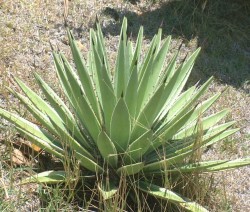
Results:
<point x="134" y="121"/>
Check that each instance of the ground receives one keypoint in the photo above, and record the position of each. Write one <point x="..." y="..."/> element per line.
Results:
<point x="28" y="28"/>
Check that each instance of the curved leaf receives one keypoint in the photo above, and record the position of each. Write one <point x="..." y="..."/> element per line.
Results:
<point x="107" y="189"/>
<point x="84" y="74"/>
<point x="131" y="169"/>
<point x="171" y="196"/>
<point x="107" y="149"/>
<point x="89" y="164"/>
<point x="48" y="177"/>
<point x="77" y="99"/>
<point x="42" y="138"/>
<point x="211" y="166"/>
<point x="62" y="110"/>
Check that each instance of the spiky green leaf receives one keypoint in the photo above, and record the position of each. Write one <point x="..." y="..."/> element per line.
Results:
<point x="48" y="177"/>
<point x="171" y="196"/>
<point x="131" y="169"/>
<point x="120" y="126"/>
<point x="107" y="149"/>
<point x="107" y="189"/>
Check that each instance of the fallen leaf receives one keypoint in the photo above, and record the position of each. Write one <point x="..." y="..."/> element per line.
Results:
<point x="18" y="158"/>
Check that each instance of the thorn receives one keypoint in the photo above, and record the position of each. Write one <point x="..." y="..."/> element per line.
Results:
<point x="162" y="22"/>
<point x="127" y="34"/>
<point x="136" y="62"/>
<point x="184" y="59"/>
<point x="70" y="33"/>
<point x="197" y="83"/>
<point x="122" y="95"/>
<point x="164" y="81"/>
<point x="52" y="48"/>
<point x="154" y="50"/>
<point x="131" y="35"/>
<point x="97" y="19"/>
<point x="96" y="22"/>
<point x="65" y="22"/>
<point x="180" y="46"/>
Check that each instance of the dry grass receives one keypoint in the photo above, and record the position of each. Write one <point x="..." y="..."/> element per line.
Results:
<point x="27" y="29"/>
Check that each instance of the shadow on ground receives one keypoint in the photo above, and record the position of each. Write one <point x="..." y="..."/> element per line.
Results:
<point x="221" y="27"/>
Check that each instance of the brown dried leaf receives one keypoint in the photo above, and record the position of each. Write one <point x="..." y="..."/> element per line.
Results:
<point x="18" y="158"/>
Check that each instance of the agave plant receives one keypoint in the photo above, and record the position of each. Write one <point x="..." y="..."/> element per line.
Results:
<point x="134" y="121"/>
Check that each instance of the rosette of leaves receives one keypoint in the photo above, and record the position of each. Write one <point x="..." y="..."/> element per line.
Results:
<point x="134" y="122"/>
